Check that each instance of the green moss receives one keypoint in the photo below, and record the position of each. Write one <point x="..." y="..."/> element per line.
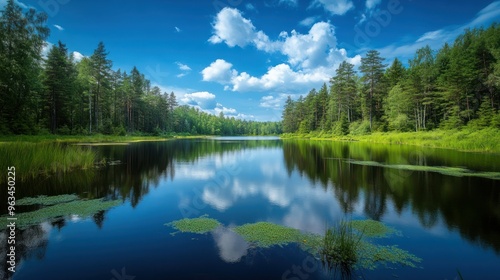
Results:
<point x="81" y="208"/>
<point x="47" y="200"/>
<point x="372" y="255"/>
<point x="371" y="228"/>
<point x="202" y="224"/>
<point x="445" y="170"/>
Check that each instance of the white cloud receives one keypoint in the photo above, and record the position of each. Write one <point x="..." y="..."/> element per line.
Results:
<point x="183" y="67"/>
<point x="233" y="29"/>
<point x="177" y="29"/>
<point x="292" y="3"/>
<point x="309" y="21"/>
<point x="60" y="28"/>
<point x="371" y="4"/>
<point x="335" y="7"/>
<point x="46" y="48"/>
<point x="219" y="71"/>
<point x="272" y="102"/>
<point x="77" y="56"/>
<point x="202" y="99"/>
<point x="313" y="56"/>
<point x="181" y="75"/>
<point x="226" y="111"/>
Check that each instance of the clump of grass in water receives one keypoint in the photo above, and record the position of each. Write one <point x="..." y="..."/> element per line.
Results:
<point x="202" y="224"/>
<point x="33" y="159"/>
<point x="340" y="249"/>
<point x="265" y="234"/>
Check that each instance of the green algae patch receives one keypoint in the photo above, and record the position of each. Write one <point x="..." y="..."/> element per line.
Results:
<point x="47" y="200"/>
<point x="265" y="234"/>
<point x="80" y="208"/>
<point x="371" y="228"/>
<point x="199" y="225"/>
<point x="445" y="170"/>
<point x="373" y="255"/>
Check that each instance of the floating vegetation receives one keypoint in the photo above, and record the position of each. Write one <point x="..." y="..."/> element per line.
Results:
<point x="200" y="225"/>
<point x="47" y="200"/>
<point x="81" y="208"/>
<point x="445" y="170"/>
<point x="371" y="228"/>
<point x="346" y="246"/>
<point x="265" y="234"/>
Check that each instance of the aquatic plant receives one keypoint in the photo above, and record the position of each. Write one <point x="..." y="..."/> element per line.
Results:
<point x="202" y="224"/>
<point x="445" y="170"/>
<point x="339" y="252"/>
<point x="346" y="246"/>
<point x="34" y="159"/>
<point x="47" y="200"/>
<point x="371" y="228"/>
<point x="81" y="208"/>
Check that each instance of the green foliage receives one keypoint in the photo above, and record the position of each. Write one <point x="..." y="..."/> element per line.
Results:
<point x="265" y="234"/>
<point x="33" y="159"/>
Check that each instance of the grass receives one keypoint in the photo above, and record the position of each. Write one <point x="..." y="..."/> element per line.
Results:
<point x="81" y="208"/>
<point x="445" y="170"/>
<point x="47" y="200"/>
<point x="340" y="249"/>
<point x="347" y="246"/>
<point x="34" y="159"/>
<point x="466" y="139"/>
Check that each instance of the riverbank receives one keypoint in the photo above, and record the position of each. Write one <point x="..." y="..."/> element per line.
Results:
<point x="485" y="140"/>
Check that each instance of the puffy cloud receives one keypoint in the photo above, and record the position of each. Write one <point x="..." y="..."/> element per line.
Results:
<point x="233" y="29"/>
<point x="335" y="7"/>
<point x="202" y="99"/>
<point x="272" y="102"/>
<point x="219" y="71"/>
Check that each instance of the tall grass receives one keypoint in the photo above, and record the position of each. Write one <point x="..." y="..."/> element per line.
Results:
<point x="34" y="159"/>
<point x="339" y="252"/>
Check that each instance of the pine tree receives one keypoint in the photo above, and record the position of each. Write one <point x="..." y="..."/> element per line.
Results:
<point x="101" y="70"/>
<point x="373" y="70"/>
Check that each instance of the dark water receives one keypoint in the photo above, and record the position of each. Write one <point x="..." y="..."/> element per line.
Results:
<point x="452" y="223"/>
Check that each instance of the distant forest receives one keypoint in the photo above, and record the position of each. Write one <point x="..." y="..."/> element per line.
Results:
<point x="55" y="94"/>
<point x="455" y="86"/>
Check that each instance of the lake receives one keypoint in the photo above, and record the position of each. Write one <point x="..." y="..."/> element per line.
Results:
<point x="443" y="204"/>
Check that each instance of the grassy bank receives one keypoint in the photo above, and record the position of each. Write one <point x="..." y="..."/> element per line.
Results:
<point x="34" y="159"/>
<point x="486" y="140"/>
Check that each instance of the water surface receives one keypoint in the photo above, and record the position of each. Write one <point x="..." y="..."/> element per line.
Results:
<point x="451" y="222"/>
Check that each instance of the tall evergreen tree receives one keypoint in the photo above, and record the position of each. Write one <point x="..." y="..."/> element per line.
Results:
<point x="372" y="68"/>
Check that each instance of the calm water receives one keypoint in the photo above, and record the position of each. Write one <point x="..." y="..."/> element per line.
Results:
<point x="450" y="222"/>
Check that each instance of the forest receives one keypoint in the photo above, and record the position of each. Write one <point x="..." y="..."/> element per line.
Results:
<point x="457" y="86"/>
<point x="55" y="94"/>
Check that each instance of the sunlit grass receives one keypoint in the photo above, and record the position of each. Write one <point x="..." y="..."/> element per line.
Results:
<point x="34" y="159"/>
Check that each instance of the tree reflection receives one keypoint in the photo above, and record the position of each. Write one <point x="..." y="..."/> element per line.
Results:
<point x="472" y="205"/>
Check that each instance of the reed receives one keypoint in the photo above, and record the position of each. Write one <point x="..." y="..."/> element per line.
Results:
<point x="35" y="159"/>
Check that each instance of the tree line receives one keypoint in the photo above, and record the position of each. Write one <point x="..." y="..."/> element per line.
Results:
<point x="59" y="95"/>
<point x="455" y="86"/>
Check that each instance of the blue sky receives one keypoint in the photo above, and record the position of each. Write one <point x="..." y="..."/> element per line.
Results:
<point x="245" y="57"/>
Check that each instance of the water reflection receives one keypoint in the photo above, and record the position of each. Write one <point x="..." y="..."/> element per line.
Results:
<point x="232" y="247"/>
